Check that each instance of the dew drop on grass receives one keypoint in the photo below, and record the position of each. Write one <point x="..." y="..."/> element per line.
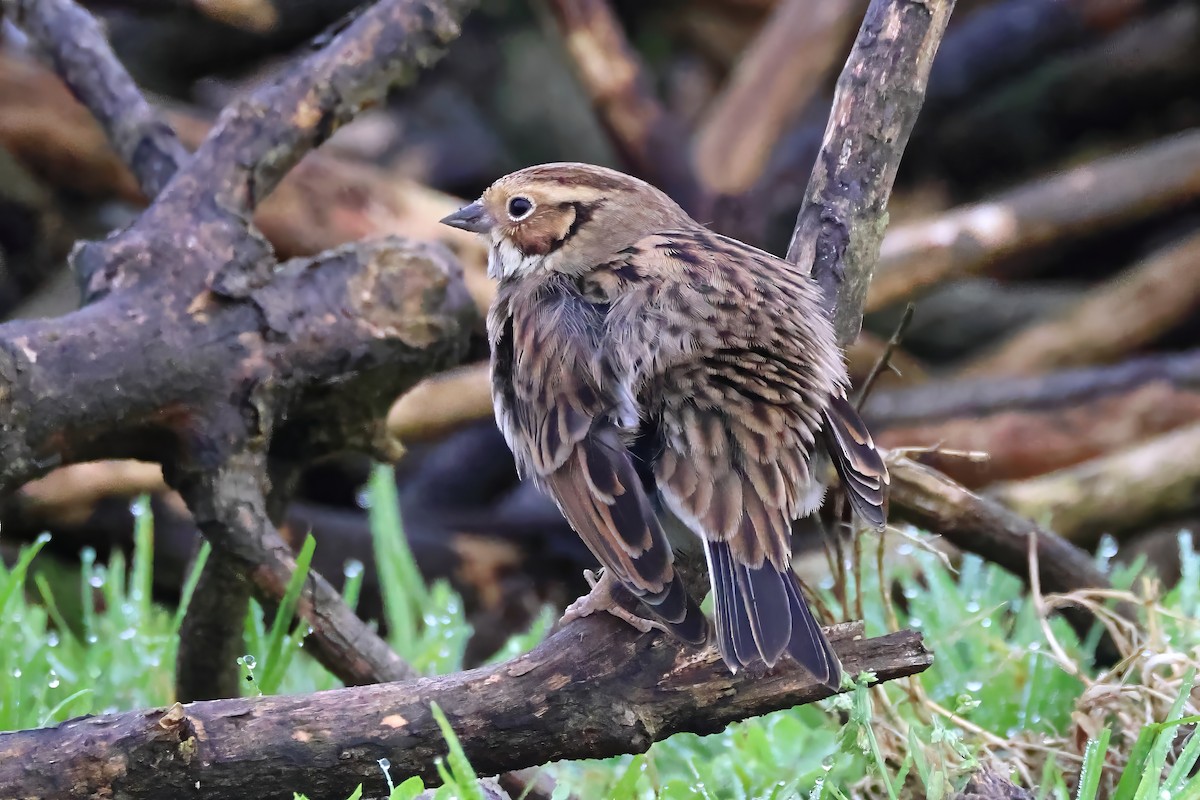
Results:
<point x="972" y="607"/>
<point x="136" y="508"/>
<point x="53" y="682"/>
<point x="353" y="568"/>
<point x="986" y="622"/>
<point x="974" y="686"/>
<point x="52" y="639"/>
<point x="913" y="622"/>
<point x="16" y="673"/>
<point x="363" y="498"/>
<point x="127" y="634"/>
<point x="248" y="661"/>
<point x="92" y="638"/>
<point x="385" y="764"/>
<point x="96" y="581"/>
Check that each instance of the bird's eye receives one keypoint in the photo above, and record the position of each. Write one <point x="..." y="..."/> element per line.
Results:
<point x="519" y="208"/>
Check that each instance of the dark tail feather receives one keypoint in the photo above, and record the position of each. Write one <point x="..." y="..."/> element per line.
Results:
<point x="859" y="465"/>
<point x="676" y="609"/>
<point x="809" y="644"/>
<point x="761" y="613"/>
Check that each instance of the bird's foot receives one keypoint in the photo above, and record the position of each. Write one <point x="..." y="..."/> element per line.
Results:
<point x="600" y="598"/>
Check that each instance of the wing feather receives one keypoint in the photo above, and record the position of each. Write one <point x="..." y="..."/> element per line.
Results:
<point x="559" y="413"/>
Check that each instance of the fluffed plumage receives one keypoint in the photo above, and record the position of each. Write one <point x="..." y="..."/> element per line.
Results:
<point x="670" y="388"/>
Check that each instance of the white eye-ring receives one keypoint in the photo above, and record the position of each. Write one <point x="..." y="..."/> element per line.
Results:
<point x="519" y="208"/>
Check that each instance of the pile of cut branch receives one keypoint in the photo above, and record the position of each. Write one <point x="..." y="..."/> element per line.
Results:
<point x="246" y="324"/>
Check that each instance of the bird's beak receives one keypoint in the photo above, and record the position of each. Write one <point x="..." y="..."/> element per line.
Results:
<point x="473" y="218"/>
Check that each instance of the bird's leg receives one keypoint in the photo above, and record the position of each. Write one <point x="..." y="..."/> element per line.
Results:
<point x="600" y="598"/>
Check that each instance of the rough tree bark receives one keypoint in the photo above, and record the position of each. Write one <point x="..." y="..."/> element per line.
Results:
<point x="592" y="690"/>
<point x="197" y="350"/>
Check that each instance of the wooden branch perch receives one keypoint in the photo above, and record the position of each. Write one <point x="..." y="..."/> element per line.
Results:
<point x="593" y="690"/>
<point x="875" y="106"/>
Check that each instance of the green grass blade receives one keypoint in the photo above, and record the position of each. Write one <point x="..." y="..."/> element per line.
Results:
<point x="410" y="789"/>
<point x="1093" y="766"/>
<point x="16" y="576"/>
<point x="189" y="585"/>
<point x="404" y="591"/>
<point x="143" y="556"/>
<point x="277" y="656"/>
<point x="460" y="766"/>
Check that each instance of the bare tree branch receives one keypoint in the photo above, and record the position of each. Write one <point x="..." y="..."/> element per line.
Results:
<point x="593" y="690"/>
<point x="648" y="137"/>
<point x="72" y="39"/>
<point x="875" y="106"/>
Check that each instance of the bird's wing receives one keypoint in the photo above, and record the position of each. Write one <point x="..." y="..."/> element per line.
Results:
<point x="740" y="398"/>
<point x="858" y="462"/>
<point x="560" y="406"/>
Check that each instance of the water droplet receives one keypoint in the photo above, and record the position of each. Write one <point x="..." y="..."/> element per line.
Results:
<point x="54" y="682"/>
<point x="905" y="549"/>
<point x="42" y="538"/>
<point x="127" y="634"/>
<point x="986" y="622"/>
<point x="92" y="638"/>
<point x="16" y="673"/>
<point x="913" y="622"/>
<point x="974" y="686"/>
<point x="363" y="498"/>
<point x="1035" y="647"/>
<point x="137" y="508"/>
<point x="96" y="581"/>
<point x="972" y="607"/>
<point x="353" y="568"/>
<point x="385" y="764"/>
<point x="248" y="661"/>
<point x="52" y="639"/>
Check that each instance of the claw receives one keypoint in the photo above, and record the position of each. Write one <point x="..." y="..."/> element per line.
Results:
<point x="600" y="599"/>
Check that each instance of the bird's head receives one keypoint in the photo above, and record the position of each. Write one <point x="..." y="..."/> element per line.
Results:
<point x="564" y="217"/>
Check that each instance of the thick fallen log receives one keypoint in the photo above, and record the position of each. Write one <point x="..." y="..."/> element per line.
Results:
<point x="1121" y="492"/>
<point x="1046" y="432"/>
<point x="789" y="61"/>
<point x="968" y="240"/>
<point x="594" y="689"/>
<point x="1120" y="316"/>
<point x="198" y="350"/>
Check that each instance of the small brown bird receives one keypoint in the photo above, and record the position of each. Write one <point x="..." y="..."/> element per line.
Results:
<point x="671" y="389"/>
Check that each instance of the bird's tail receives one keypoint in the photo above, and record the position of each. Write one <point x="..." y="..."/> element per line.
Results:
<point x="761" y="613"/>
